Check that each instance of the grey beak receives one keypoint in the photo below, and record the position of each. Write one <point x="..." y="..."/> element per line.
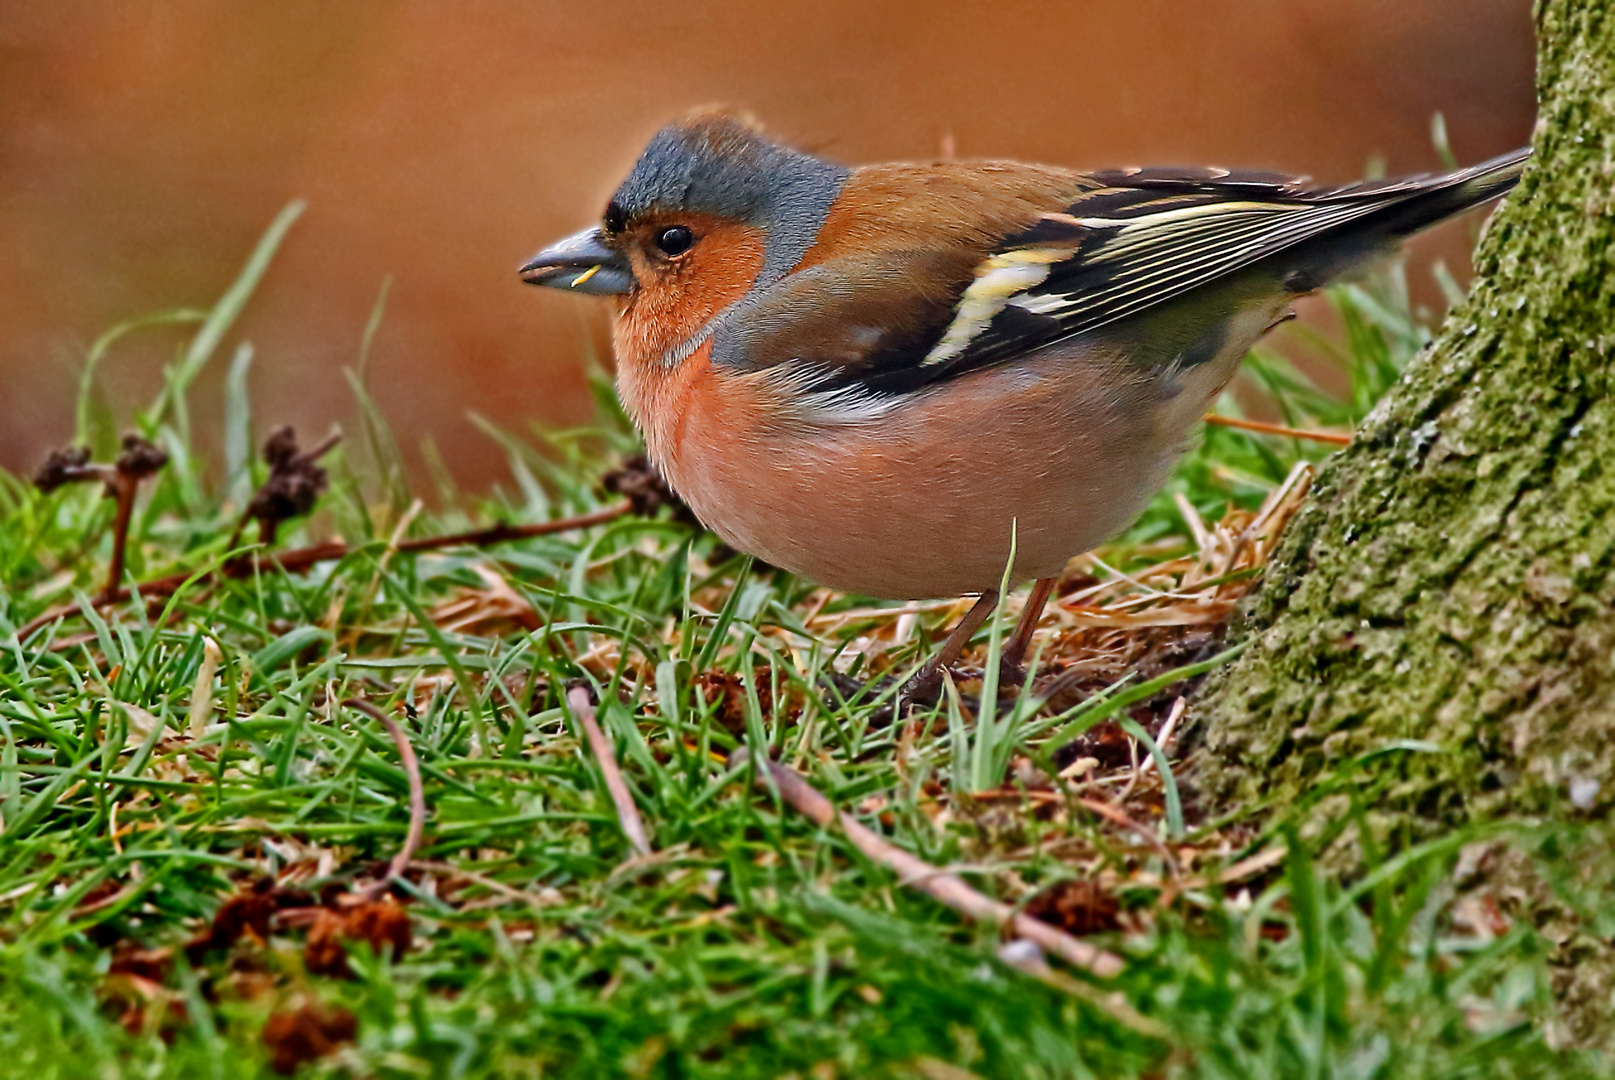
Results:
<point x="582" y="263"/>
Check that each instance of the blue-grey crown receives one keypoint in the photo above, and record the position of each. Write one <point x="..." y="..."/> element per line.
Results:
<point x="715" y="164"/>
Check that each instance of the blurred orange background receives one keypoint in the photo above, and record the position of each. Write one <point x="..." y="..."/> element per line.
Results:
<point x="145" y="145"/>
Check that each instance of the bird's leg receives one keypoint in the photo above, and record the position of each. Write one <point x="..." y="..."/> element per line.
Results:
<point x="1011" y="669"/>
<point x="925" y="681"/>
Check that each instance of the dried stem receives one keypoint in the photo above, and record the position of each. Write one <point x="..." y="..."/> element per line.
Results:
<point x="122" y="489"/>
<point x="945" y="888"/>
<point x="633" y="826"/>
<point x="1118" y="816"/>
<point x="1334" y="438"/>
<point x="505" y="532"/>
<point x="302" y="558"/>
<point x="417" y="796"/>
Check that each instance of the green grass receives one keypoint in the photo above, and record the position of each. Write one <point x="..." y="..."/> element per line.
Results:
<point x="752" y="943"/>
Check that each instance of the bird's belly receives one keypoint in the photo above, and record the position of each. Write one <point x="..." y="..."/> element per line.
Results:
<point x="922" y="501"/>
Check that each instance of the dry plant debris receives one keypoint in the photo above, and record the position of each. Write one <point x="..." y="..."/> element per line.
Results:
<point x="946" y="888"/>
<point x="578" y="698"/>
<point x="382" y="924"/>
<point x="297" y="1036"/>
<point x="1095" y="819"/>
<point x="140" y="459"/>
<point x="295" y="482"/>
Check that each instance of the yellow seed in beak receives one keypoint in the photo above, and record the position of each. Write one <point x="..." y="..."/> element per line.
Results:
<point x="585" y="276"/>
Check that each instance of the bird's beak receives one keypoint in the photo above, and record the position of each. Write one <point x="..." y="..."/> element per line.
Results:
<point x="582" y="263"/>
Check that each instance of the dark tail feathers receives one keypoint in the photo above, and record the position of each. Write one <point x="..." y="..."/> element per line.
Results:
<point x="1412" y="203"/>
<point x="1440" y="197"/>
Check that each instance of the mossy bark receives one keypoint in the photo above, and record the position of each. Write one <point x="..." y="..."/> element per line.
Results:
<point x="1452" y="578"/>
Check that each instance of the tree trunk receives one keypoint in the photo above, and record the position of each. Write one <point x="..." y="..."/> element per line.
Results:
<point x="1452" y="578"/>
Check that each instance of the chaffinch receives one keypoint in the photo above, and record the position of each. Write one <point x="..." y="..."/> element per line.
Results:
<point x="871" y="376"/>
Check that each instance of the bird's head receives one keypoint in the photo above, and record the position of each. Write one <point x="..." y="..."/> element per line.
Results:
<point x="712" y="210"/>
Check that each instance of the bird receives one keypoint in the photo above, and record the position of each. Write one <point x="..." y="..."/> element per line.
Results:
<point x="885" y="378"/>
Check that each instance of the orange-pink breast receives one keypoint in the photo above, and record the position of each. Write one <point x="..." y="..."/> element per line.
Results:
<point x="921" y="500"/>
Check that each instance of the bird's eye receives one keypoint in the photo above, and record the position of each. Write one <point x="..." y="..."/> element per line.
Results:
<point x="675" y="240"/>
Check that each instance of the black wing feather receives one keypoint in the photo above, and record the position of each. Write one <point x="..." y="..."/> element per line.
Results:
<point x="1151" y="235"/>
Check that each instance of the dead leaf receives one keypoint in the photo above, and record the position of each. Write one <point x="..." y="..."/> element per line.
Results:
<point x="150" y="964"/>
<point x="248" y="911"/>
<point x="310" y="1032"/>
<point x="1078" y="906"/>
<point x="494" y="609"/>
<point x="380" y="923"/>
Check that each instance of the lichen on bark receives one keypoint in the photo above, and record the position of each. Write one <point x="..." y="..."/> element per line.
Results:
<point x="1452" y="578"/>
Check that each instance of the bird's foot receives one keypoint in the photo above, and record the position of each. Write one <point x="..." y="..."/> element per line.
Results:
<point x="921" y="691"/>
<point x="846" y="690"/>
<point x="1011" y="673"/>
<point x="924" y="687"/>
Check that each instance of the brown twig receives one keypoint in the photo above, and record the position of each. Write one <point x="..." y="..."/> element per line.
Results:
<point x="1239" y="871"/>
<point x="633" y="827"/>
<point x="945" y="888"/>
<point x="504" y="531"/>
<point x="302" y="558"/>
<point x="493" y="885"/>
<point x="417" y="796"/>
<point x="1334" y="438"/>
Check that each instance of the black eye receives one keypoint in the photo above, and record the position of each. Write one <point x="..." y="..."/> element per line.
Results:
<point x="675" y="240"/>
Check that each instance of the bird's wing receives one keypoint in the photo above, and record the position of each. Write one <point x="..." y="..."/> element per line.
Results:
<point x="895" y="322"/>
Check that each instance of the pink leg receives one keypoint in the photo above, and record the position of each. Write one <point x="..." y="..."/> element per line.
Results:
<point x="926" y="680"/>
<point x="1011" y="670"/>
